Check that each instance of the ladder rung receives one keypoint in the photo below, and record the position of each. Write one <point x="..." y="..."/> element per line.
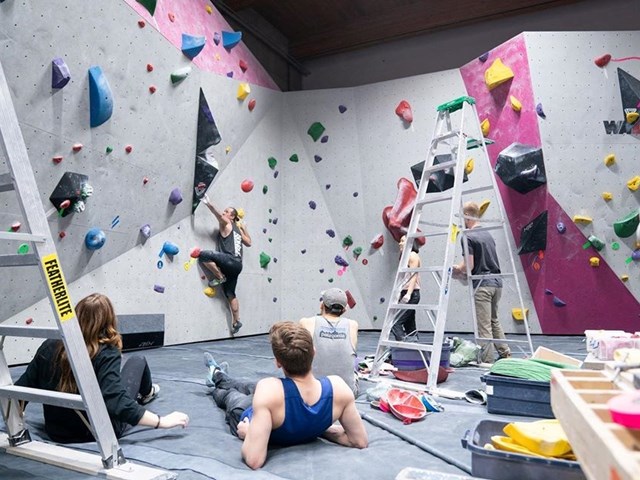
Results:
<point x="424" y="347"/>
<point x="439" y="233"/>
<point x="6" y="182"/>
<point x="435" y="268"/>
<point x="414" y="306"/>
<point x="29" y="259"/>
<point x="440" y="166"/>
<point x="29" y="331"/>
<point x="23" y="237"/>
<point x="436" y="197"/>
<point x="49" y="397"/>
<point x="445" y="136"/>
<point x="487" y="276"/>
<point x="483" y="228"/>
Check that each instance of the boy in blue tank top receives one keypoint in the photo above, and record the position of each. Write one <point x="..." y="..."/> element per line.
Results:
<point x="256" y="412"/>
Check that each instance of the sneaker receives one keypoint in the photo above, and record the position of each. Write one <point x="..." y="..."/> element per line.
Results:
<point x="155" y="389"/>
<point x="236" y="327"/>
<point x="215" y="282"/>
<point x="210" y="362"/>
<point x="213" y="366"/>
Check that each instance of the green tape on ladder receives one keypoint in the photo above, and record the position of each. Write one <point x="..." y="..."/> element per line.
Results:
<point x="455" y="105"/>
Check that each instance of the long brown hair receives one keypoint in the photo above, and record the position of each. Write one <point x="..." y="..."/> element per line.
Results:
<point x="97" y="321"/>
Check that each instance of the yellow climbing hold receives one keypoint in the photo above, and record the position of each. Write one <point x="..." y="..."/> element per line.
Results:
<point x="634" y="183"/>
<point x="582" y="219"/>
<point x="210" y="292"/>
<point x="610" y="159"/>
<point x="240" y="213"/>
<point x="485" y="126"/>
<point x="607" y="196"/>
<point x="516" y="313"/>
<point x="594" y="261"/>
<point x="632" y="117"/>
<point x="483" y="207"/>
<point x="227" y="149"/>
<point x="468" y="167"/>
<point x="209" y="9"/>
<point x="624" y="277"/>
<point x="217" y="57"/>
<point x="497" y="74"/>
<point x="244" y="89"/>
<point x="515" y="103"/>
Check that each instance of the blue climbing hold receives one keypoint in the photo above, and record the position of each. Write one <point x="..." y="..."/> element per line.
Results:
<point x="192" y="45"/>
<point x="170" y="248"/>
<point x="100" y="97"/>
<point x="94" y="239"/>
<point x="483" y="58"/>
<point x="231" y="39"/>
<point x="558" y="303"/>
<point x="60" y="74"/>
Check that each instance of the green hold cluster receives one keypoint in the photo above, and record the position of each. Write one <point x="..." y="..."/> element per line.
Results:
<point x="264" y="260"/>
<point x="315" y="131"/>
<point x="347" y="241"/>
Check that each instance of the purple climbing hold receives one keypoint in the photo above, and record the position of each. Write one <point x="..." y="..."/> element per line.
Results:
<point x="331" y="233"/>
<point x="145" y="230"/>
<point x="303" y="251"/>
<point x="317" y="158"/>
<point x="60" y="74"/>
<point x="548" y="292"/>
<point x="275" y="260"/>
<point x="264" y="230"/>
<point x="216" y="38"/>
<point x="321" y="270"/>
<point x="355" y="194"/>
<point x="341" y="261"/>
<point x="342" y="108"/>
<point x="275" y="174"/>
<point x="312" y="205"/>
<point x="540" y="111"/>
<point x="558" y="303"/>
<point x="635" y="255"/>
<point x="275" y="299"/>
<point x="158" y="288"/>
<point x="324" y="139"/>
<point x="230" y="74"/>
<point x="175" y="197"/>
<point x="270" y="221"/>
<point x="561" y="227"/>
<point x="483" y="58"/>
<point x="327" y="186"/>
<point x="275" y="220"/>
<point x="381" y="299"/>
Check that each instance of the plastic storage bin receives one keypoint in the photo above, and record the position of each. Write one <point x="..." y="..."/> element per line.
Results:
<point x="499" y="465"/>
<point x="404" y="359"/>
<point x="515" y="396"/>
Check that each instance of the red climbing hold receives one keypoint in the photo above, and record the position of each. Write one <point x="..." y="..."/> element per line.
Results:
<point x="29" y="321"/>
<point x="377" y="242"/>
<point x="365" y="261"/>
<point x="603" y="60"/>
<point x="172" y="17"/>
<point x="76" y="147"/>
<point x="15" y="226"/>
<point x="128" y="149"/>
<point x="141" y="23"/>
<point x="246" y="185"/>
<point x="252" y="104"/>
<point x="62" y="234"/>
<point x="57" y="159"/>
<point x="145" y="180"/>
<point x="65" y="204"/>
<point x="149" y="67"/>
<point x="152" y="89"/>
<point x="350" y="300"/>
<point x="244" y="66"/>
<point x="397" y="217"/>
<point x="403" y="110"/>
<point x="195" y="252"/>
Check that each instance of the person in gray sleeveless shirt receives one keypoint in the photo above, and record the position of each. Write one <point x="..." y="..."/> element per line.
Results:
<point x="483" y="260"/>
<point x="335" y="338"/>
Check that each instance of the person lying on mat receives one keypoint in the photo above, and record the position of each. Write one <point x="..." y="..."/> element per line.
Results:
<point x="124" y="392"/>
<point x="286" y="411"/>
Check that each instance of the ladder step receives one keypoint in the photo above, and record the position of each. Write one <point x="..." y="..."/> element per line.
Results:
<point x="435" y="268"/>
<point x="440" y="166"/>
<point x="414" y="306"/>
<point x="445" y="136"/>
<point x="49" y="397"/>
<point x="29" y="331"/>
<point x="483" y="228"/>
<point x="29" y="259"/>
<point x="439" y="233"/>
<point x="23" y="237"/>
<point x="436" y="197"/>
<point x="487" y="276"/>
<point x="6" y="182"/>
<point x="423" y="347"/>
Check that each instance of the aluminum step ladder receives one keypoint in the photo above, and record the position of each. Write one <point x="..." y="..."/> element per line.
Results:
<point x="20" y="179"/>
<point x="448" y="152"/>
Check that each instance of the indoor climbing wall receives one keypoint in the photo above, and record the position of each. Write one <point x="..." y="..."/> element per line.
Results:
<point x="549" y="96"/>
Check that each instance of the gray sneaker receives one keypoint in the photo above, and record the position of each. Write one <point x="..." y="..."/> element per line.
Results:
<point x="215" y="282"/>
<point x="236" y="327"/>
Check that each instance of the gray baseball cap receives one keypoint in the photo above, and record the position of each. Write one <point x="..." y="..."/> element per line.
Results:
<point x="333" y="297"/>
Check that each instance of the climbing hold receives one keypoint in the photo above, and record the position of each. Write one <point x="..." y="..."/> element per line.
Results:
<point x="195" y="252"/>
<point x="521" y="167"/>
<point x="548" y="292"/>
<point x="634" y="183"/>
<point x="632" y="117"/>
<point x="23" y="249"/>
<point x="180" y="74"/>
<point x="355" y="194"/>
<point x="365" y="261"/>
<point x="594" y="262"/>
<point x="60" y="74"/>
<point x="145" y="230"/>
<point x="94" y="239"/>
<point x="515" y="103"/>
<point x="595" y="242"/>
<point x="269" y="279"/>
<point x="342" y="108"/>
<point x="272" y="162"/>
<point x="312" y="205"/>
<point x="244" y="89"/>
<point x="483" y="207"/>
<point x="264" y="260"/>
<point x="484" y="57"/>
<point x="160" y="264"/>
<point x="230" y="74"/>
<point x="558" y="303"/>
<point x="603" y="60"/>
<point x="192" y="45"/>
<point x="357" y="252"/>
<point x="150" y="5"/>
<point x="149" y="67"/>
<point x="209" y="292"/>
<point x="65" y="204"/>
<point x="209" y="9"/>
<point x="240" y="212"/>
<point x="152" y="89"/>
<point x="340" y="261"/>
<point x="468" y="167"/>
<point x="57" y="159"/>
<point x="561" y="227"/>
<point x="29" y="321"/>
<point x="331" y="233"/>
<point x="145" y="180"/>
<point x="109" y="149"/>
<point x="231" y="39"/>
<point x="275" y="174"/>
<point x="275" y="220"/>
<point x="315" y="131"/>
<point x="607" y="196"/>
<point x="246" y="185"/>
<point x="635" y="255"/>
<point x="516" y="313"/>
<point x="175" y="197"/>
<point x="303" y="251"/>
<point x="615" y="246"/>
<point x="582" y="219"/>
<point x="321" y="270"/>
<point x="15" y="226"/>
<point x="141" y="23"/>
<point x="172" y="17"/>
<point x="627" y="225"/>
<point x="533" y="236"/>
<point x="76" y="147"/>
<point x="403" y="110"/>
<point x="100" y="97"/>
<point x="128" y="149"/>
<point x="216" y="38"/>
<point x="347" y="241"/>
<point x="327" y="186"/>
<point x="540" y="111"/>
<point x="610" y="159"/>
<point x="158" y="288"/>
<point x="252" y="104"/>
<point x="350" y="300"/>
<point x="624" y="277"/>
<point x="497" y="74"/>
<point x="170" y="248"/>
<point x="294" y="158"/>
<point x="377" y="241"/>
<point x="485" y="126"/>
<point x="265" y="189"/>
<point x="324" y="139"/>
<point x="244" y="66"/>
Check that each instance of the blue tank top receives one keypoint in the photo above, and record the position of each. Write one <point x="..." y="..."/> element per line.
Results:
<point x="302" y="423"/>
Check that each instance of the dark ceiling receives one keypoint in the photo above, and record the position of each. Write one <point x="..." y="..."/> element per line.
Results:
<point x="314" y="29"/>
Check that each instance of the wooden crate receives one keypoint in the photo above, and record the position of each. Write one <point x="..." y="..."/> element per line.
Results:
<point x="605" y="450"/>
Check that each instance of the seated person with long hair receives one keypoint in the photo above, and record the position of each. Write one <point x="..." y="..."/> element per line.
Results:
<point x="124" y="392"/>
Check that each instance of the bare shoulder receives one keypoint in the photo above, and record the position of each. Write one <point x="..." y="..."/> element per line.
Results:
<point x="341" y="391"/>
<point x="307" y="322"/>
<point x="268" y="391"/>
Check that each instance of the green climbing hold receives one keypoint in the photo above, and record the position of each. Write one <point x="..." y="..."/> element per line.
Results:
<point x="615" y="246"/>
<point x="23" y="249"/>
<point x="294" y="158"/>
<point x="270" y="239"/>
<point x="180" y="74"/>
<point x="596" y="242"/>
<point x="272" y="162"/>
<point x="347" y="241"/>
<point x="375" y="317"/>
<point x="269" y="279"/>
<point x="357" y="251"/>
<point x="270" y="210"/>
<point x="331" y="280"/>
<point x="264" y="260"/>
<point x="109" y="149"/>
<point x="626" y="226"/>
<point x="315" y="131"/>
<point x="265" y="189"/>
<point x="150" y="5"/>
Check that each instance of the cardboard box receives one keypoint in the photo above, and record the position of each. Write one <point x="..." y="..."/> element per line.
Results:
<point x="543" y="353"/>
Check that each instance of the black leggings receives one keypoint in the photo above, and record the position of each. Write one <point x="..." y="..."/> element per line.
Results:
<point x="404" y="328"/>
<point x="136" y="379"/>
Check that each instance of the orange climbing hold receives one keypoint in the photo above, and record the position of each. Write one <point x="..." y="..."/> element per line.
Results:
<point x="403" y="110"/>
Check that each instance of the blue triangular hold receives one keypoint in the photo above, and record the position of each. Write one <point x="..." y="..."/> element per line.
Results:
<point x="100" y="97"/>
<point x="231" y="39"/>
<point x="192" y="45"/>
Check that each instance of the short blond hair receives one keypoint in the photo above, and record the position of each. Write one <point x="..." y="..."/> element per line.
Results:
<point x="471" y="209"/>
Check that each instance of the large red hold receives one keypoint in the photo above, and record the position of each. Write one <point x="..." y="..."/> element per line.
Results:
<point x="397" y="217"/>
<point x="403" y="110"/>
<point x="350" y="300"/>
